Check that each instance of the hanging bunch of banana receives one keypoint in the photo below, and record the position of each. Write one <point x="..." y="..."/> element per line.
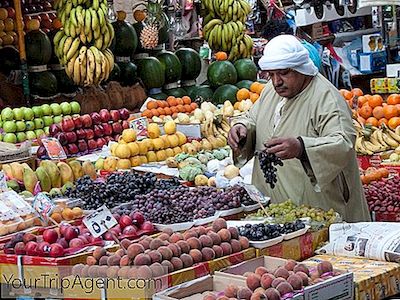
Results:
<point x="224" y="29"/>
<point x="371" y="140"/>
<point x="82" y="44"/>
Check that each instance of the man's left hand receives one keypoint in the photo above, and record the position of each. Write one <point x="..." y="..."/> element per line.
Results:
<point x="284" y="148"/>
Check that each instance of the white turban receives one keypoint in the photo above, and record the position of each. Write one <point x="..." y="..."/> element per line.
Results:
<point x="287" y="52"/>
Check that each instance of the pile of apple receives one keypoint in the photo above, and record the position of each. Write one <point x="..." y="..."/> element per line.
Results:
<point x="129" y="226"/>
<point x="53" y="242"/>
<point x="23" y="123"/>
<point x="8" y="34"/>
<point x="384" y="195"/>
<point x="87" y="133"/>
<point x="169" y="252"/>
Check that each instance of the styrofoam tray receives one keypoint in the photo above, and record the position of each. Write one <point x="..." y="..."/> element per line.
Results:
<point x="267" y="243"/>
<point x="295" y="234"/>
<point x="230" y="212"/>
<point x="199" y="222"/>
<point x="242" y="223"/>
<point x="175" y="227"/>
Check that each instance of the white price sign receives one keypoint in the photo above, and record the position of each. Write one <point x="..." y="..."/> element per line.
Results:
<point x="140" y="125"/>
<point x="100" y="221"/>
<point x="255" y="194"/>
<point x="3" y="182"/>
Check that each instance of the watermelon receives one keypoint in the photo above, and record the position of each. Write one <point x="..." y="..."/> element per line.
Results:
<point x="125" y="38"/>
<point x="221" y="72"/>
<point x="189" y="89"/>
<point x="128" y="73"/>
<point x="171" y="65"/>
<point x="225" y="92"/>
<point x="64" y="83"/>
<point x="43" y="84"/>
<point x="150" y="70"/>
<point x="202" y="93"/>
<point x="38" y="48"/>
<point x="9" y="60"/>
<point x="159" y="96"/>
<point x="115" y="74"/>
<point x="191" y="63"/>
<point x="244" y="84"/>
<point x="246" y="69"/>
<point x="177" y="92"/>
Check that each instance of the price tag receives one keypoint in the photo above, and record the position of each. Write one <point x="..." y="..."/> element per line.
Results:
<point x="140" y="125"/>
<point x="100" y="221"/>
<point x="3" y="182"/>
<point x="255" y="194"/>
<point x="43" y="205"/>
<point x="54" y="148"/>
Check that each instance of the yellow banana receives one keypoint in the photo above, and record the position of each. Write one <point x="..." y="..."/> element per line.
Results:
<point x="389" y="140"/>
<point x="67" y="46"/>
<point x="77" y="72"/>
<point x="98" y="43"/>
<point x="393" y="135"/>
<point x="90" y="67"/>
<point x="82" y="63"/>
<point x="89" y="37"/>
<point x="95" y="19"/>
<point x="102" y="19"/>
<point x="88" y="22"/>
<point x="80" y="12"/>
<point x="82" y="35"/>
<point x="74" y="48"/>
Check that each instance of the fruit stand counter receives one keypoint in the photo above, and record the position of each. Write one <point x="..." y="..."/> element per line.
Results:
<point x="372" y="279"/>
<point x="299" y="248"/>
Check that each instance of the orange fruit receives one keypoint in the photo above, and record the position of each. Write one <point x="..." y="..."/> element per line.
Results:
<point x="254" y="97"/>
<point x="188" y="108"/>
<point x="168" y="111"/>
<point x="171" y="101"/>
<point x="243" y="94"/>
<point x="378" y="112"/>
<point x="365" y="111"/>
<point x="56" y="217"/>
<point x="221" y="56"/>
<point x="346" y="94"/>
<point x="174" y="109"/>
<point x="181" y="108"/>
<point x="393" y="99"/>
<point x="382" y="121"/>
<point x="165" y="104"/>
<point x="394" y="122"/>
<point x="372" y="121"/>
<point x="179" y="101"/>
<point x="376" y="100"/>
<point x="398" y="107"/>
<point x="57" y="23"/>
<point x="155" y="112"/>
<point x="194" y="105"/>
<point x="357" y="92"/>
<point x="147" y="113"/>
<point x="362" y="100"/>
<point x="161" y="111"/>
<point x="160" y="103"/>
<point x="390" y="111"/>
<point x="186" y="100"/>
<point x="254" y="87"/>
<point x="151" y="105"/>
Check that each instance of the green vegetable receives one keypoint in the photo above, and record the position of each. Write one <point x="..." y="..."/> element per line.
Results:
<point x="192" y="161"/>
<point x="209" y="155"/>
<point x="203" y="158"/>
<point x="218" y="154"/>
<point x="224" y="152"/>
<point x="181" y="157"/>
<point x="190" y="172"/>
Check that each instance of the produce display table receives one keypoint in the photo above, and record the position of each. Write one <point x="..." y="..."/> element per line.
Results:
<point x="372" y="279"/>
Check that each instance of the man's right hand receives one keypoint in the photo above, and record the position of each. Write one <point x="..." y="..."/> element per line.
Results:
<point x="237" y="134"/>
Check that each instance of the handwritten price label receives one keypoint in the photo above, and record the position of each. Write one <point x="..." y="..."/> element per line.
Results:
<point x="43" y="205"/>
<point x="100" y="221"/>
<point x="3" y="182"/>
<point x="255" y="194"/>
<point x="140" y="125"/>
<point x="54" y="148"/>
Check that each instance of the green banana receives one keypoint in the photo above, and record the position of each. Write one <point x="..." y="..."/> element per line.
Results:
<point x="66" y="27"/>
<point x="96" y="4"/>
<point x="102" y="18"/>
<point x="88" y="20"/>
<point x="98" y="43"/>
<point x="72" y="17"/>
<point x="95" y="19"/>
<point x="79" y="16"/>
<point x="211" y="24"/>
<point x="57" y="38"/>
<point x="60" y="47"/>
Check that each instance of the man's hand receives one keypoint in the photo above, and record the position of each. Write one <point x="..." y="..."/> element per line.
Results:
<point x="236" y="135"/>
<point x="284" y="148"/>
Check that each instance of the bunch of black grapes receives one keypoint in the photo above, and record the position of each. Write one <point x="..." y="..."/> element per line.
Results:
<point x="260" y="232"/>
<point x="268" y="163"/>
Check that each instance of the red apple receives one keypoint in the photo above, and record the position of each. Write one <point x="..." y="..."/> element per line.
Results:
<point x="86" y="121"/>
<point x="108" y="139"/>
<point x="50" y="236"/>
<point x="117" y="127"/>
<point x="92" y="144"/>
<point x="89" y="133"/>
<point x="125" y="124"/>
<point x="80" y="134"/>
<point x="72" y="149"/>
<point x="19" y="248"/>
<point x="54" y="128"/>
<point x="115" y="116"/>
<point x="107" y="129"/>
<point x="56" y="250"/>
<point x="100" y="143"/>
<point x="129" y="230"/>
<point x="84" y="239"/>
<point x="63" y="243"/>
<point x="125" y="221"/>
<point x="77" y="121"/>
<point x="67" y="124"/>
<point x="63" y="228"/>
<point x="138" y="218"/>
<point x="76" y="243"/>
<point x="28" y="237"/>
<point x="31" y="248"/>
<point x="71" y="137"/>
<point x="98" y="131"/>
<point x="105" y="115"/>
<point x="62" y="138"/>
<point x="96" y="119"/>
<point x="82" y="145"/>
<point x="71" y="233"/>
<point x="147" y="226"/>
<point x="43" y="249"/>
<point x="124" y="113"/>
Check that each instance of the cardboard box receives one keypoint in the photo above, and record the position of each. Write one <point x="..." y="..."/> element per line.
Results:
<point x="339" y="287"/>
<point x="372" y="279"/>
<point x="372" y="62"/>
<point x="393" y="70"/>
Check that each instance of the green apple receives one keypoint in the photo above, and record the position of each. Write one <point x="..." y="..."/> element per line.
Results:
<point x="39" y="132"/>
<point x="47" y="130"/>
<point x="9" y="126"/>
<point x="56" y="109"/>
<point x="7" y="114"/>
<point x="66" y="108"/>
<point x="30" y="135"/>
<point x="38" y="123"/>
<point x="20" y="126"/>
<point x="47" y="120"/>
<point x="10" y="138"/>
<point x="21" y="137"/>
<point x="30" y="125"/>
<point x="46" y="109"/>
<point x="75" y="107"/>
<point x="57" y="119"/>
<point x="37" y="110"/>
<point x="18" y="114"/>
<point x="28" y="114"/>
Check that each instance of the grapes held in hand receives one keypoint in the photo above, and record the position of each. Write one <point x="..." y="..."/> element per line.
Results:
<point x="268" y="163"/>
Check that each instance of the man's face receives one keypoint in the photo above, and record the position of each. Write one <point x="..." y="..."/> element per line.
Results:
<point x="287" y="83"/>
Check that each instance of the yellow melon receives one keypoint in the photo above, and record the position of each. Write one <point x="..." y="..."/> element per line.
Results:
<point x="153" y="130"/>
<point x="142" y="147"/>
<point x="173" y="140"/>
<point x="122" y="151"/>
<point x="151" y="156"/>
<point x="134" y="147"/>
<point x="123" y="164"/>
<point x="129" y="135"/>
<point x="161" y="155"/>
<point x="169" y="152"/>
<point x="182" y="138"/>
<point x="170" y="127"/>
<point x="177" y="150"/>
<point x="143" y="159"/>
<point x="136" y="161"/>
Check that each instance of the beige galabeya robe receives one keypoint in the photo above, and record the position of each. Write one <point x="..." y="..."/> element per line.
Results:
<point x="322" y="118"/>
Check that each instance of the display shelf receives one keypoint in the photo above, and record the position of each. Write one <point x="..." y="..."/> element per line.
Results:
<point x="348" y="36"/>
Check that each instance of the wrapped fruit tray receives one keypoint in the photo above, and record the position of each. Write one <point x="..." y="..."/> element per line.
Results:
<point x="11" y="153"/>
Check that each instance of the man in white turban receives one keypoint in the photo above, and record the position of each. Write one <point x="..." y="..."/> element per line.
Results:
<point x="302" y="119"/>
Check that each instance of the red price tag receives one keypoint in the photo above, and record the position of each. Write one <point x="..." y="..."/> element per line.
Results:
<point x="140" y="125"/>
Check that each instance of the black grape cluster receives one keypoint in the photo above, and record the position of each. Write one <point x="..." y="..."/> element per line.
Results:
<point x="268" y="163"/>
<point x="243" y="195"/>
<point x="292" y="227"/>
<point x="167" y="184"/>
<point x="118" y="188"/>
<point x="260" y="232"/>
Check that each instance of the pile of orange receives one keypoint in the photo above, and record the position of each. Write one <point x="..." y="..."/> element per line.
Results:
<point x="373" y="109"/>
<point x="253" y="94"/>
<point x="373" y="174"/>
<point x="169" y="107"/>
